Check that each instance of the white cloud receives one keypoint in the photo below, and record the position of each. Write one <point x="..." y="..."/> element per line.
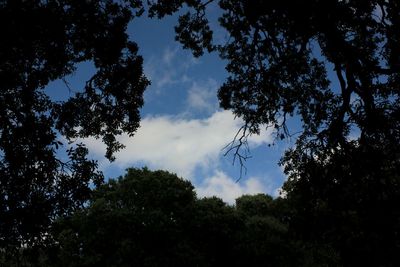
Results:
<point x="177" y="144"/>
<point x="169" y="55"/>
<point x="203" y="96"/>
<point x="169" y="68"/>
<point x="225" y="187"/>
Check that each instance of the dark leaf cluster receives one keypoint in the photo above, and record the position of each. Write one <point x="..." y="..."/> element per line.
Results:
<point x="41" y="42"/>
<point x="333" y="67"/>
<point x="151" y="218"/>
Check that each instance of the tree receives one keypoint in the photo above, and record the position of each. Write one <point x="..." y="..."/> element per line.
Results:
<point x="263" y="239"/>
<point x="266" y="238"/>
<point x="140" y="219"/>
<point x="153" y="218"/>
<point x="42" y="41"/>
<point x="335" y="66"/>
<point x="148" y="218"/>
<point x="349" y="202"/>
<point x="279" y="55"/>
<point x="214" y="230"/>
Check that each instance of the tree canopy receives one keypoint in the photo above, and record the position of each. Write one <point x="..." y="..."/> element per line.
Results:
<point x="42" y="41"/>
<point x="44" y="170"/>
<point x="280" y="54"/>
<point x="135" y="220"/>
<point x="334" y="66"/>
<point x="153" y="218"/>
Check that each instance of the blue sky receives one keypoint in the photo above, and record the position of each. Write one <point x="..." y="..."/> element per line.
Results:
<point x="182" y="129"/>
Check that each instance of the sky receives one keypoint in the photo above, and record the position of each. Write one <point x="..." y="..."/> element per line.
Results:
<point x="183" y="130"/>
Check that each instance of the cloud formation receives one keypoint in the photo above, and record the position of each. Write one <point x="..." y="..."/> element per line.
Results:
<point x="169" y="68"/>
<point x="202" y="96"/>
<point x="225" y="187"/>
<point x="178" y="144"/>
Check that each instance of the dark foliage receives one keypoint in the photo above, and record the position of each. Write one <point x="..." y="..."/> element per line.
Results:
<point x="154" y="219"/>
<point x="332" y="64"/>
<point x="335" y="66"/>
<point x="350" y="203"/>
<point x="279" y="54"/>
<point x="137" y="220"/>
<point x="42" y="41"/>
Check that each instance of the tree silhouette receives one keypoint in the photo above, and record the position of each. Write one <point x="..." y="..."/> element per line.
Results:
<point x="42" y="41"/>
<point x="348" y="202"/>
<point x="135" y="220"/>
<point x="153" y="218"/>
<point x="279" y="54"/>
<point x="334" y="66"/>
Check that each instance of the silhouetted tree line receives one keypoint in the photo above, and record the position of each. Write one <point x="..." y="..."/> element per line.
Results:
<point x="153" y="218"/>
<point x="332" y="65"/>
